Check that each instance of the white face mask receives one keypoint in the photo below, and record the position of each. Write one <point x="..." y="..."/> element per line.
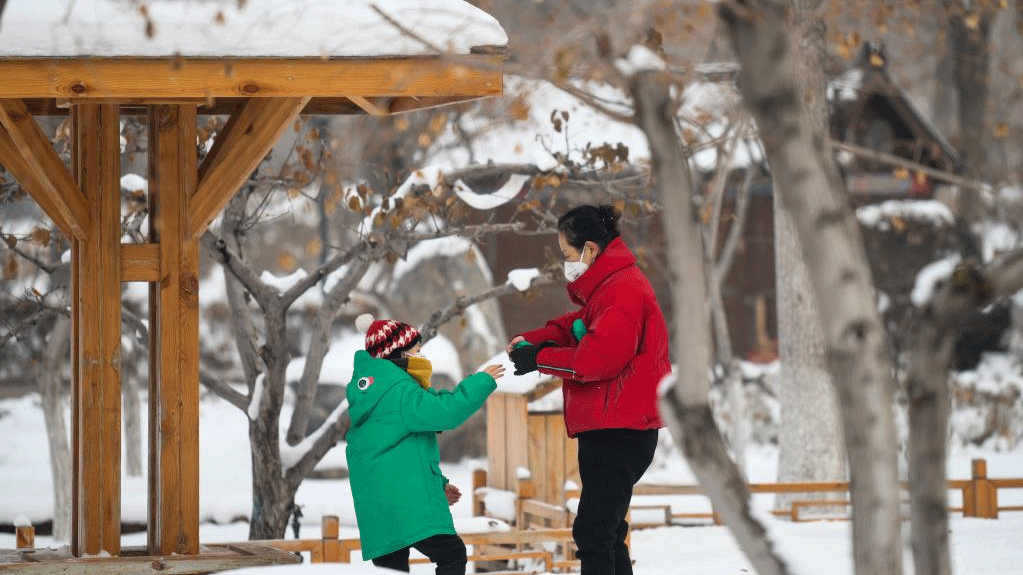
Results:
<point x="575" y="269"/>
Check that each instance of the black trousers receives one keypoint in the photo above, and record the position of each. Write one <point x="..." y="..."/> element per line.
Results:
<point x="611" y="461"/>
<point x="447" y="551"/>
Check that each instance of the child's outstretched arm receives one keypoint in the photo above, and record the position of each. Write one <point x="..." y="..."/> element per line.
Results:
<point x="423" y="410"/>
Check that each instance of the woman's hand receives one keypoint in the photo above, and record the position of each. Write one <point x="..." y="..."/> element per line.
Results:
<point x="495" y="371"/>
<point x="452" y="493"/>
<point x="511" y="344"/>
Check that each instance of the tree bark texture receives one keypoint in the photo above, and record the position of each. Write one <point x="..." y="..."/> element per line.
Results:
<point x="809" y="437"/>
<point x="686" y="406"/>
<point x="969" y="39"/>
<point x="813" y="193"/>
<point x="51" y="382"/>
<point x="932" y="336"/>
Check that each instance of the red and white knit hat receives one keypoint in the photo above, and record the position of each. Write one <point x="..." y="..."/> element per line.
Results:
<point x="386" y="336"/>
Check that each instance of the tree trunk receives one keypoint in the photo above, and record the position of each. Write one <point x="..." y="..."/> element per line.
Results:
<point x="50" y="378"/>
<point x="809" y="438"/>
<point x="686" y="406"/>
<point x="132" y="414"/>
<point x="813" y="194"/>
<point x="969" y="36"/>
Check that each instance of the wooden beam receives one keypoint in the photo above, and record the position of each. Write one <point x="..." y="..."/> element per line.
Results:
<point x="204" y="78"/>
<point x="174" y="335"/>
<point x="47" y="178"/>
<point x="96" y="142"/>
<point x="327" y="106"/>
<point x="370" y="108"/>
<point x="240" y="147"/>
<point x="10" y="158"/>
<point x="140" y="262"/>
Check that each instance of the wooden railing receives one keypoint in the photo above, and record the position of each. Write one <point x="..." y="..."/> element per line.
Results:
<point x="979" y="496"/>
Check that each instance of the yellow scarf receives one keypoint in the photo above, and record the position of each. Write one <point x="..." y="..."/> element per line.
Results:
<point x="421" y="370"/>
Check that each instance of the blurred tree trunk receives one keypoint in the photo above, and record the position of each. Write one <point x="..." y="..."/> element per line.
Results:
<point x="686" y="406"/>
<point x="968" y="36"/>
<point x="809" y="438"/>
<point x="132" y="411"/>
<point x="49" y="374"/>
<point x="813" y="194"/>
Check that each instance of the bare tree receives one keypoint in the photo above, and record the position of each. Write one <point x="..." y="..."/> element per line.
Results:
<point x="813" y="193"/>
<point x="809" y="437"/>
<point x="686" y="406"/>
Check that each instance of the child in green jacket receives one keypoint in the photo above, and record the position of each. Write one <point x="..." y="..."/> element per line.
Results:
<point x="401" y="498"/>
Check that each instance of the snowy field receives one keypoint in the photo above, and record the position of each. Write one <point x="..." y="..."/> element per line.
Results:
<point x="980" y="547"/>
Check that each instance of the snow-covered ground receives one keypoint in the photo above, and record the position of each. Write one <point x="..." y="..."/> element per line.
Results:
<point x="980" y="547"/>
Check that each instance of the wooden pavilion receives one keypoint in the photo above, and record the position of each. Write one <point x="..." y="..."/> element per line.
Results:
<point x="135" y="71"/>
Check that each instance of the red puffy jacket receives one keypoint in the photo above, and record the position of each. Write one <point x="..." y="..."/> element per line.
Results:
<point x="611" y="375"/>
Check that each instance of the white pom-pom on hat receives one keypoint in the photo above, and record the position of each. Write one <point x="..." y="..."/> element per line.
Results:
<point x="363" y="322"/>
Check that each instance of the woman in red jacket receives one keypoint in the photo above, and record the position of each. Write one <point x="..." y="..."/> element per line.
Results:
<point x="611" y="355"/>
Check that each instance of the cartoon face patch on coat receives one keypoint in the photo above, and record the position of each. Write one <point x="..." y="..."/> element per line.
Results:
<point x="364" y="383"/>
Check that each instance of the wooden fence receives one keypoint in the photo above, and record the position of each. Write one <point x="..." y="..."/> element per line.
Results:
<point x="979" y="496"/>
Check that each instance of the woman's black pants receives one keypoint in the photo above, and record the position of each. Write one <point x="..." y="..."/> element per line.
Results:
<point x="611" y="461"/>
<point x="447" y="551"/>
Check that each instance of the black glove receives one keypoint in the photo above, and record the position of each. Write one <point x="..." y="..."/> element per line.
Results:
<point x="524" y="356"/>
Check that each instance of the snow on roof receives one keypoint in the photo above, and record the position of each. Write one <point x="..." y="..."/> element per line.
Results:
<point x="254" y="28"/>
<point x="878" y="215"/>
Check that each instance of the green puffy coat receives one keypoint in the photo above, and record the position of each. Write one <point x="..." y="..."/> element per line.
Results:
<point x="393" y="461"/>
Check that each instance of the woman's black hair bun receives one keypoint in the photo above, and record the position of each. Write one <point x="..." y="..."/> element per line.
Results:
<point x="609" y="216"/>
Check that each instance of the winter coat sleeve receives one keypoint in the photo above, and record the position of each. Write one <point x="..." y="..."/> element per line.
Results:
<point x="558" y="330"/>
<point x="610" y="344"/>
<point x="427" y="410"/>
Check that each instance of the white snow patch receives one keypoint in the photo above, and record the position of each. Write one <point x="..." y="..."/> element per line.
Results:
<point x="521" y="278"/>
<point x="877" y="215"/>
<point x="257" y="397"/>
<point x="495" y="199"/>
<point x="134" y="182"/>
<point x="22" y="521"/>
<point x="450" y="246"/>
<point x="929" y="276"/>
<point x="511" y="383"/>
<point x="522" y="473"/>
<point x="639" y="59"/>
<point x="268" y="28"/>
<point x="498" y="502"/>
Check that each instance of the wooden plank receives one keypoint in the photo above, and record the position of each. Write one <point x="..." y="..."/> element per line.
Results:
<point x="497" y="442"/>
<point x="140" y="262"/>
<point x="555" y="458"/>
<point x="537" y="455"/>
<point x="174" y="334"/>
<point x="96" y="142"/>
<point x="571" y="459"/>
<point x="76" y="394"/>
<point x="516" y="429"/>
<point x="50" y="183"/>
<point x="211" y="560"/>
<point x="240" y="147"/>
<point x="203" y="78"/>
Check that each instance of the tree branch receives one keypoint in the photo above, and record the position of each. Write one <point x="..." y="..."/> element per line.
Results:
<point x="224" y="391"/>
<point x="440" y="317"/>
<point x="893" y="160"/>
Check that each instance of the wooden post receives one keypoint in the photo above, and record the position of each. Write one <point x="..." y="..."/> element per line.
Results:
<point x="331" y="544"/>
<point x="97" y="314"/>
<point x="479" y="479"/>
<point x="984" y="494"/>
<point x="174" y="335"/>
<point x="25" y="537"/>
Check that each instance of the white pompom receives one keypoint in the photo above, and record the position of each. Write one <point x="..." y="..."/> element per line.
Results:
<point x="363" y="322"/>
